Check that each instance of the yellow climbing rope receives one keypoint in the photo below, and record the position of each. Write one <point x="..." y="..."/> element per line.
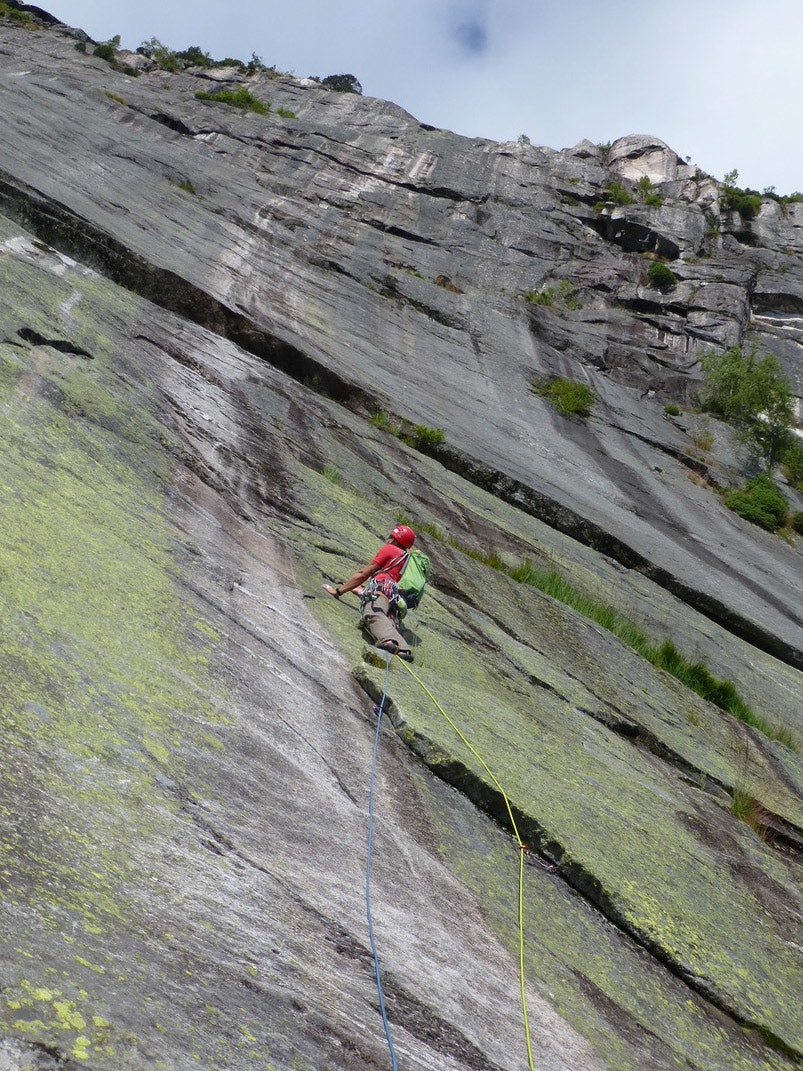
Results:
<point x="521" y="846"/>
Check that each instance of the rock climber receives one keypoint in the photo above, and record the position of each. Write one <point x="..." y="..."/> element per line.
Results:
<point x="379" y="580"/>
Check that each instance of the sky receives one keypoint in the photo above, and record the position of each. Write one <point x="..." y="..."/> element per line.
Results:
<point x="720" y="81"/>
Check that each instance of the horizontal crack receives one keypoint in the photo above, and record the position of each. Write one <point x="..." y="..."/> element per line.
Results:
<point x="566" y="520"/>
<point x="491" y="802"/>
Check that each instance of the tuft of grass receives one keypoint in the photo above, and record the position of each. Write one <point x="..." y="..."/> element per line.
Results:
<point x="749" y="810"/>
<point x="446" y="283"/>
<point x="333" y="475"/>
<point x="672" y="409"/>
<point x="433" y="530"/>
<point x="488" y="557"/>
<point x="380" y="420"/>
<point x="703" y="439"/>
<point x="286" y="114"/>
<point x="116" y="98"/>
<point x="419" y="435"/>
<point x="186" y="185"/>
<point x="425" y="436"/>
<point x="9" y="12"/>
<point x="237" y="98"/>
<point x="569" y="397"/>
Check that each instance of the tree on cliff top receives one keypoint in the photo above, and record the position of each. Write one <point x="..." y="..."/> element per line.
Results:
<point x="342" y="83"/>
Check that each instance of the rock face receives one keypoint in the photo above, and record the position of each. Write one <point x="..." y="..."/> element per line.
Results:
<point x="211" y="322"/>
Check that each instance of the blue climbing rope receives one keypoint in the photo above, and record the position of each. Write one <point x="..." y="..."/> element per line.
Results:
<point x="379" y="710"/>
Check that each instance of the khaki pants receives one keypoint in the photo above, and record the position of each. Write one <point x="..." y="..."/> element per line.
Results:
<point x="376" y="619"/>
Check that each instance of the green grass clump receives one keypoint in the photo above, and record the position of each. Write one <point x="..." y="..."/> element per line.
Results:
<point x="333" y="475"/>
<point x="424" y="436"/>
<point x="569" y="397"/>
<point x="380" y="420"/>
<point x="672" y="409"/>
<point x="797" y="521"/>
<point x="749" y="810"/>
<point x="760" y="502"/>
<point x="237" y="98"/>
<point x="9" y="12"/>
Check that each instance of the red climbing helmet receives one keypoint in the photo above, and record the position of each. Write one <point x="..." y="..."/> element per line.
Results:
<point x="403" y="535"/>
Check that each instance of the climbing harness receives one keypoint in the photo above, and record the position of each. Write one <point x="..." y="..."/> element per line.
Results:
<point x="378" y="710"/>
<point x="520" y="844"/>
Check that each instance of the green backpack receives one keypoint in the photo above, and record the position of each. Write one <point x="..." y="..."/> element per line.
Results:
<point x="414" y="578"/>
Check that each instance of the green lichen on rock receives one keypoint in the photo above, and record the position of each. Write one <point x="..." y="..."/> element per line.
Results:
<point x="104" y="670"/>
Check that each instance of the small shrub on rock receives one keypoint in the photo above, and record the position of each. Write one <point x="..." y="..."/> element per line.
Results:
<point x="760" y="502"/>
<point x="672" y="409"/>
<point x="104" y="52"/>
<point x="162" y="55"/>
<point x="617" y="193"/>
<point x="797" y="521"/>
<point x="746" y="202"/>
<point x="194" y="56"/>
<point x="661" y="277"/>
<point x="648" y="193"/>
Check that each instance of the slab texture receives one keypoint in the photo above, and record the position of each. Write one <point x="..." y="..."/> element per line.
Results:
<point x="225" y="341"/>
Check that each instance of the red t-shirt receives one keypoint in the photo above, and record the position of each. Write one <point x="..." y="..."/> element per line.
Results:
<point x="390" y="561"/>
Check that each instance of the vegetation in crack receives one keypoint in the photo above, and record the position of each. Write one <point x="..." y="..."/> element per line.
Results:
<point x="240" y="98"/>
<point x="695" y="675"/>
<point x="419" y="436"/>
<point x="562" y="296"/>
